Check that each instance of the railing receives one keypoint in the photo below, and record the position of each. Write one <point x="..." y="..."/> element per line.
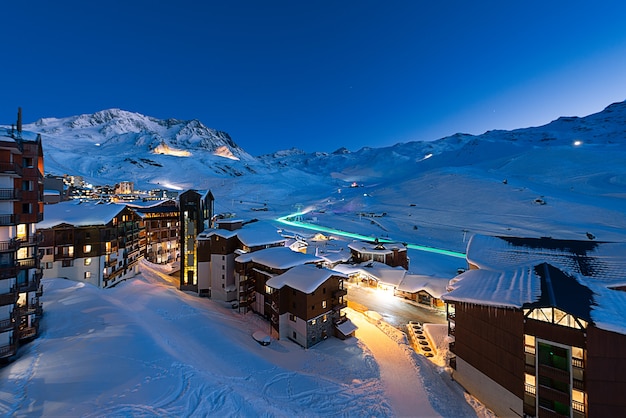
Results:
<point x="528" y="388"/>
<point x="10" y="168"/>
<point x="6" y="324"/>
<point x="340" y="292"/>
<point x="8" y="271"/>
<point x="7" y="220"/>
<point x="8" y="298"/>
<point x="26" y="263"/>
<point x="578" y="362"/>
<point x="9" y="194"/>
<point x="8" y="350"/>
<point x="27" y="332"/>
<point x="339" y="306"/>
<point x="578" y="406"/>
<point x="10" y="245"/>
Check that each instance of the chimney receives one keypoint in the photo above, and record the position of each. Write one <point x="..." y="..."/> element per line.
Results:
<point x="19" y="120"/>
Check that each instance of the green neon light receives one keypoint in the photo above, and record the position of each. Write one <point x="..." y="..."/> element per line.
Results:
<point x="285" y="220"/>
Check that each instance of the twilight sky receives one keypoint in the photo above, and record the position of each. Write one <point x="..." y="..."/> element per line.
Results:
<point x="316" y="75"/>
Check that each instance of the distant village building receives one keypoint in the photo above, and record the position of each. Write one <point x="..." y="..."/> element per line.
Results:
<point x="161" y="221"/>
<point x="195" y="215"/>
<point x="390" y="253"/>
<point x="96" y="243"/>
<point x="217" y="249"/>
<point x="537" y="326"/>
<point x="21" y="207"/>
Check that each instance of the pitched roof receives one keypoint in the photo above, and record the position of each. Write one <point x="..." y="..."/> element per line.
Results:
<point x="79" y="214"/>
<point x="305" y="278"/>
<point x="278" y="258"/>
<point x="582" y="278"/>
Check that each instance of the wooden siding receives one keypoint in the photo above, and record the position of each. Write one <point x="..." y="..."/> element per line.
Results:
<point x="605" y="373"/>
<point x="492" y="340"/>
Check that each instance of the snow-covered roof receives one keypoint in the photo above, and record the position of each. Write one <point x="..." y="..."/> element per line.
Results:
<point x="413" y="283"/>
<point x="382" y="272"/>
<point x="79" y="214"/>
<point x="278" y="258"/>
<point x="346" y="327"/>
<point x="253" y="234"/>
<point x="376" y="247"/>
<point x="305" y="278"/>
<point x="334" y="257"/>
<point x="579" y="277"/>
<point x="604" y="261"/>
<point x="510" y="288"/>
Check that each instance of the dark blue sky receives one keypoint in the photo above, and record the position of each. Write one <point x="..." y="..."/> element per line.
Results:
<point x="316" y="75"/>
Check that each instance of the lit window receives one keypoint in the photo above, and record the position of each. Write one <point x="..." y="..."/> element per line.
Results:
<point x="313" y="321"/>
<point x="87" y="274"/>
<point x="323" y="304"/>
<point x="88" y="248"/>
<point x="87" y="261"/>
<point x="325" y="318"/>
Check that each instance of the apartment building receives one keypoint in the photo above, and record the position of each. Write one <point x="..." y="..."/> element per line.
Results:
<point x="21" y="207"/>
<point x="161" y="221"/>
<point x="91" y="242"/>
<point x="217" y="249"/>
<point x="537" y="326"/>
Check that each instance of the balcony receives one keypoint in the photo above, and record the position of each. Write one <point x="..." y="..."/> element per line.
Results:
<point x="7" y="272"/>
<point x="27" y="332"/>
<point x="339" y="293"/>
<point x="9" y="194"/>
<point x="27" y="263"/>
<point x="9" y="246"/>
<point x="8" y="298"/>
<point x="6" y="324"/>
<point x="7" y="350"/>
<point x="11" y="168"/>
<point x="339" y="306"/>
<point x="7" y="220"/>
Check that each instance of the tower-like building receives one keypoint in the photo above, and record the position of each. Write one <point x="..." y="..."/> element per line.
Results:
<point x="196" y="211"/>
<point x="21" y="207"/>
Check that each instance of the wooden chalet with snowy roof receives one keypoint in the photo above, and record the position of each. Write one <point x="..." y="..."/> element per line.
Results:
<point x="90" y="242"/>
<point x="391" y="253"/>
<point x="537" y="326"/>
<point x="305" y="305"/>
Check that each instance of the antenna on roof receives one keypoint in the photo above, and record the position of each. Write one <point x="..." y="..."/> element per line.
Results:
<point x="19" y="120"/>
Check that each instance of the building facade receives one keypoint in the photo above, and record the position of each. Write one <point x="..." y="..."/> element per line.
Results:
<point x="161" y="222"/>
<point x="96" y="243"/>
<point x="195" y="215"/>
<point x="389" y="253"/>
<point x="21" y="207"/>
<point x="305" y="304"/>
<point x="217" y="249"/>
<point x="536" y="326"/>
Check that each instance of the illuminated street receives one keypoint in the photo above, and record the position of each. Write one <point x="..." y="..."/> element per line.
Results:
<point x="395" y="311"/>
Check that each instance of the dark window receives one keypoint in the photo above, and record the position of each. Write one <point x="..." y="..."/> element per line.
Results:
<point x="324" y="290"/>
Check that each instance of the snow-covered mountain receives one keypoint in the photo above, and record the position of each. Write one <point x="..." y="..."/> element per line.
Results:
<point x="563" y="179"/>
<point x="112" y="145"/>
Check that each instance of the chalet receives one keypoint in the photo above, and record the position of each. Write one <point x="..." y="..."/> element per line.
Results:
<point x="96" y="243"/>
<point x="217" y="249"/>
<point x="426" y="290"/>
<point x="21" y="207"/>
<point x="390" y="253"/>
<point x="537" y="326"/>
<point x="305" y="305"/>
<point x="254" y="269"/>
<point x="161" y="221"/>
<point x="195" y="214"/>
